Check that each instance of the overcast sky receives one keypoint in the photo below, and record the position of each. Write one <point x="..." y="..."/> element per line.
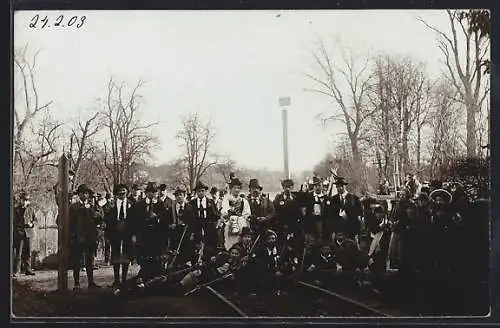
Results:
<point x="231" y="66"/>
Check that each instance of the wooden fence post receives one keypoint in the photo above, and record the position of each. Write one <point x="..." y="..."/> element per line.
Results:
<point x="62" y="237"/>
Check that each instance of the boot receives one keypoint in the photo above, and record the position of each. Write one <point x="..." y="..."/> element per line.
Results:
<point x="27" y="270"/>
<point x="116" y="275"/>
<point x="17" y="266"/>
<point x="90" y="277"/>
<point x="124" y="272"/>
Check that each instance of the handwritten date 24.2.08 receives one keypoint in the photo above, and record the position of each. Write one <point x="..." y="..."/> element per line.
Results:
<point x="60" y="21"/>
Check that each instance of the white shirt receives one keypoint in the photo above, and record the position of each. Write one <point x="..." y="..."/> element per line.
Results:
<point x="202" y="204"/>
<point x="119" y="208"/>
<point x="272" y="251"/>
<point x="178" y="207"/>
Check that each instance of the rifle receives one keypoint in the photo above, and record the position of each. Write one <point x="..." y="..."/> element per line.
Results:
<point x="178" y="247"/>
<point x="200" y="286"/>
<point x="227" y="275"/>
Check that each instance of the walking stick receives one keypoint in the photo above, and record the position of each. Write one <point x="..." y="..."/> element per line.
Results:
<point x="178" y="248"/>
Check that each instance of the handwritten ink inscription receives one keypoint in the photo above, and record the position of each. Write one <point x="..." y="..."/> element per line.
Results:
<point x="60" y="21"/>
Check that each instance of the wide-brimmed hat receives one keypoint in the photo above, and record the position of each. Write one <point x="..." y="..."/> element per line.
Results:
<point x="246" y="231"/>
<point x="447" y="197"/>
<point x="200" y="185"/>
<point x="179" y="190"/>
<point x="287" y="183"/>
<point x="214" y="190"/>
<point x="315" y="181"/>
<point x="234" y="182"/>
<point x="162" y="187"/>
<point x="340" y="181"/>
<point x="136" y="187"/>
<point x="254" y="183"/>
<point x="151" y="187"/>
<point x="377" y="208"/>
<point x="83" y="188"/>
<point x="119" y="187"/>
<point x="270" y="232"/>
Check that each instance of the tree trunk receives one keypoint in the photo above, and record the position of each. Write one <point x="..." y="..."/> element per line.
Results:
<point x="471" y="142"/>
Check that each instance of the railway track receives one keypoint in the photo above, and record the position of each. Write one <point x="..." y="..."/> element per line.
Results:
<point x="301" y="300"/>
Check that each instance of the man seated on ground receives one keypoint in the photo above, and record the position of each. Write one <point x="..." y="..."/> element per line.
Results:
<point x="321" y="264"/>
<point x="269" y="265"/>
<point x="352" y="261"/>
<point x="222" y="265"/>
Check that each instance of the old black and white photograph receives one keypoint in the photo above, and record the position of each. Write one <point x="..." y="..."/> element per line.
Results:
<point x="250" y="164"/>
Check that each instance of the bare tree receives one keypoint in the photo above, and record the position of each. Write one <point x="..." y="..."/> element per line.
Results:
<point x="80" y="143"/>
<point x="196" y="137"/>
<point x="465" y="74"/>
<point x="129" y="140"/>
<point x="446" y="140"/>
<point x="351" y="103"/>
<point x="224" y="167"/>
<point x="399" y="94"/>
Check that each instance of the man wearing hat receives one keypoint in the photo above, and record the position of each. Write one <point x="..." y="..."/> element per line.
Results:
<point x="269" y="263"/>
<point x="346" y="212"/>
<point x="317" y="210"/>
<point x="246" y="240"/>
<point x="288" y="214"/>
<point x="167" y="201"/>
<point x="213" y="193"/>
<point x="181" y="216"/>
<point x="261" y="207"/>
<point x="135" y="194"/>
<point x="206" y="215"/>
<point x="150" y="228"/>
<point x="119" y="229"/>
<point x="235" y="212"/>
<point x="82" y="236"/>
<point x="24" y="220"/>
<point x="321" y="263"/>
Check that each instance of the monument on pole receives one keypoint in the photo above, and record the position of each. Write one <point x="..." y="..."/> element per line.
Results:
<point x="284" y="102"/>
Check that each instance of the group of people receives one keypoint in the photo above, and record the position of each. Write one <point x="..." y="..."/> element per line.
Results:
<point x="191" y="240"/>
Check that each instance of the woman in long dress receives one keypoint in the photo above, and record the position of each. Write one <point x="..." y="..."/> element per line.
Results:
<point x="235" y="213"/>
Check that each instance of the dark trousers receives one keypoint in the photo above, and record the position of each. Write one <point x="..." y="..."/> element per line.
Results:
<point x="121" y="246"/>
<point x="22" y="253"/>
<point x="210" y="233"/>
<point x="85" y="251"/>
<point x="107" y="249"/>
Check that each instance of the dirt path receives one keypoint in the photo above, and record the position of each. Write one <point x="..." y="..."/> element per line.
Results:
<point x="37" y="296"/>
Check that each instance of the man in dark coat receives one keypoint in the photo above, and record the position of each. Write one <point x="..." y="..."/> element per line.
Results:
<point x="119" y="229"/>
<point x="135" y="194"/>
<point x="167" y="201"/>
<point x="150" y="225"/>
<point x="83" y="222"/>
<point x="269" y="264"/>
<point x="261" y="207"/>
<point x="181" y="220"/>
<point x="321" y="263"/>
<point x="346" y="212"/>
<point x="24" y="221"/>
<point x="206" y="215"/>
<point x="317" y="209"/>
<point x="288" y="214"/>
